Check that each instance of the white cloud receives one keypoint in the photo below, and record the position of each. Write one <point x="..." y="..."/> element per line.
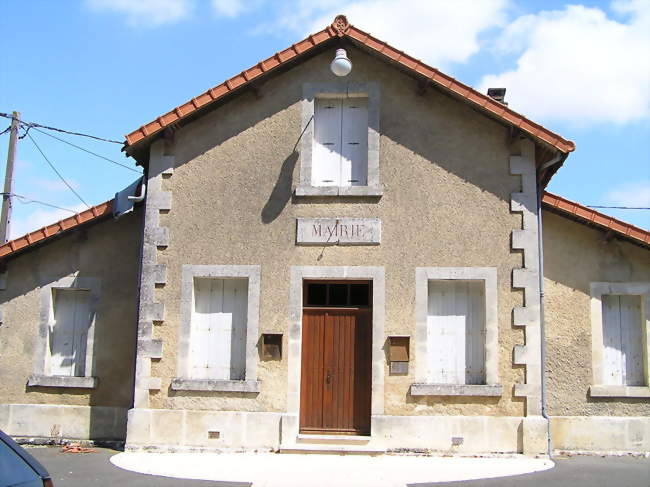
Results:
<point x="439" y="32"/>
<point x="229" y="8"/>
<point x="633" y="194"/>
<point x="145" y="13"/>
<point x="578" y="65"/>
<point x="39" y="218"/>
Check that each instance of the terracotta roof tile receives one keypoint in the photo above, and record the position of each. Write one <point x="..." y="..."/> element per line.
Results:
<point x="593" y="217"/>
<point x="341" y="28"/>
<point x="49" y="231"/>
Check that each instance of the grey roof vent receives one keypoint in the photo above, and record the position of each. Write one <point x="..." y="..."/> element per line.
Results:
<point x="498" y="94"/>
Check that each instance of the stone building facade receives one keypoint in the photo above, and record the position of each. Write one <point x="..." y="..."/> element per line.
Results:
<point x="335" y="263"/>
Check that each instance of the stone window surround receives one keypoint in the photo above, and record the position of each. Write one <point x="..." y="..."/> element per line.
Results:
<point x="489" y="276"/>
<point x="41" y="376"/>
<point x="294" y="359"/>
<point x="598" y="289"/>
<point x="339" y="89"/>
<point x="183" y="382"/>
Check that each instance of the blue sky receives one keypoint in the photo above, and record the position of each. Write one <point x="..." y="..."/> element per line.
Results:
<point x="105" y="67"/>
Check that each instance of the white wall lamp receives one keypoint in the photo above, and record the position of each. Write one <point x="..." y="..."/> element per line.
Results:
<point x="341" y="65"/>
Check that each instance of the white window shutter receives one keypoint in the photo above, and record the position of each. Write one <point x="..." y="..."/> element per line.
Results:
<point x="446" y="335"/>
<point x="82" y="323"/>
<point x="201" y="329"/>
<point x="436" y="341"/>
<point x="475" y="369"/>
<point x="632" y="340"/>
<point x="457" y="326"/>
<point x="455" y="332"/>
<point x="221" y="330"/>
<point x="354" y="160"/>
<point x="236" y="305"/>
<point x="622" y="340"/>
<point x="326" y="153"/>
<point x="62" y="334"/>
<point x="69" y="333"/>
<point x="218" y="337"/>
<point x="612" y="357"/>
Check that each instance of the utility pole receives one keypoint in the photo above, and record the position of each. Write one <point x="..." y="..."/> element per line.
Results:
<point x="5" y="216"/>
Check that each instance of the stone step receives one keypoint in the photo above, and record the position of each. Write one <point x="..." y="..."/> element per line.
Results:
<point x="332" y="449"/>
<point x="332" y="439"/>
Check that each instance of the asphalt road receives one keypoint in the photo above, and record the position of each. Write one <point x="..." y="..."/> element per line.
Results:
<point x="94" y="469"/>
<point x="577" y="471"/>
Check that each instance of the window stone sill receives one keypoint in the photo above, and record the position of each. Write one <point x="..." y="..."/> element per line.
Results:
<point x="339" y="191"/>
<point x="619" y="391"/>
<point x="215" y="385"/>
<point x="62" y="381"/>
<point x="493" y="390"/>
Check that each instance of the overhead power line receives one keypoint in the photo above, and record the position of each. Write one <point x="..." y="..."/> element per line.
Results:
<point x="26" y="200"/>
<point x="38" y="125"/>
<point x="57" y="172"/>
<point x="620" y="207"/>
<point x="88" y="151"/>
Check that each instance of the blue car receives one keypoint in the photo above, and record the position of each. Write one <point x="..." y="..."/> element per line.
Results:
<point x="18" y="468"/>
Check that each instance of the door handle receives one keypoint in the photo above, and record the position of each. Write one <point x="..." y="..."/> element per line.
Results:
<point x="328" y="379"/>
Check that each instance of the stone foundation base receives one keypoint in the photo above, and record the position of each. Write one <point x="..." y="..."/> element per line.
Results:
<point x="165" y="430"/>
<point x="51" y="422"/>
<point x="448" y="434"/>
<point x="534" y="432"/>
<point x="191" y="430"/>
<point x="600" y="434"/>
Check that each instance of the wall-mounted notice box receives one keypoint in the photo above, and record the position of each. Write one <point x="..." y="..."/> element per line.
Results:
<point x="399" y="354"/>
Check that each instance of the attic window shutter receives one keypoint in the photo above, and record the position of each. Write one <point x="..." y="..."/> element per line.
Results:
<point x="326" y="165"/>
<point x="622" y="340"/>
<point x="354" y="130"/>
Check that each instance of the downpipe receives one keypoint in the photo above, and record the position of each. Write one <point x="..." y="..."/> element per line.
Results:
<point x="143" y="193"/>
<point x="137" y="199"/>
<point x="542" y="327"/>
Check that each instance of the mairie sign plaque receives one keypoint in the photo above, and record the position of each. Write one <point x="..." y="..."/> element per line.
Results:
<point x="338" y="231"/>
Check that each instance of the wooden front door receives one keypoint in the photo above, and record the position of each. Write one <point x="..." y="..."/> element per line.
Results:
<point x="337" y="363"/>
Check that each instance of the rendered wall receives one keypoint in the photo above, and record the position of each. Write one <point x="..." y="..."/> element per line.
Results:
<point x="447" y="190"/>
<point x="108" y="251"/>
<point x="574" y="256"/>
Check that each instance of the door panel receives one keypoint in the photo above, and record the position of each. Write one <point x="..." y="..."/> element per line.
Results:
<point x="336" y="371"/>
<point x="313" y="371"/>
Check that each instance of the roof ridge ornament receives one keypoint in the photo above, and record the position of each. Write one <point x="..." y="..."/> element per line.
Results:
<point x="340" y="25"/>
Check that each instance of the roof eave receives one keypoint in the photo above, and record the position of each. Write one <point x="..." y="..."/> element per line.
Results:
<point x="595" y="219"/>
<point x="45" y="234"/>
